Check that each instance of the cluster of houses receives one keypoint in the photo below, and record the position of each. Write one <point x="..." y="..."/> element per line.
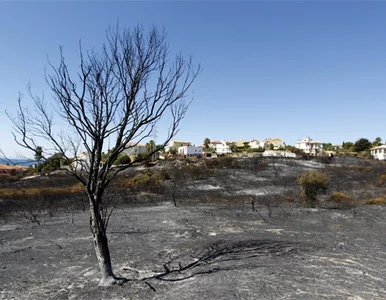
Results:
<point x="271" y="147"/>
<point x="268" y="147"/>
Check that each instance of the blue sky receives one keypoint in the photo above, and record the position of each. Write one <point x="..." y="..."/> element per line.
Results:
<point x="270" y="69"/>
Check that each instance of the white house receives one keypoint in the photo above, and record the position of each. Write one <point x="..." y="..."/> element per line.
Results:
<point x="135" y="149"/>
<point x="276" y="142"/>
<point x="189" y="151"/>
<point x="221" y="147"/>
<point x="255" y="144"/>
<point x="309" y="146"/>
<point x="379" y="152"/>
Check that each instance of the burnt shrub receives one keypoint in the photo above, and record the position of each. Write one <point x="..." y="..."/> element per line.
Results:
<point x="311" y="183"/>
<point x="254" y="164"/>
<point x="227" y="162"/>
<point x="198" y="172"/>
<point x="322" y="159"/>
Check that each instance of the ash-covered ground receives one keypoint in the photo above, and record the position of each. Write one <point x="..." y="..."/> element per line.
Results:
<point x="204" y="250"/>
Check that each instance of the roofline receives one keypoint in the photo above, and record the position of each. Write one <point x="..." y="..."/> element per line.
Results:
<point x="379" y="147"/>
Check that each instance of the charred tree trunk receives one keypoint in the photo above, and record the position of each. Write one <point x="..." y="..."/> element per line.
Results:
<point x="101" y="247"/>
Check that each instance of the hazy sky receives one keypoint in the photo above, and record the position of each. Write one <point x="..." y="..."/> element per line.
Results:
<point x="270" y="69"/>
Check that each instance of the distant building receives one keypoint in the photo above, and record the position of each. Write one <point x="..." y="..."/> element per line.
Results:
<point x="221" y="147"/>
<point x="190" y="151"/>
<point x="307" y="145"/>
<point x="255" y="144"/>
<point x="379" y="152"/>
<point x="241" y="144"/>
<point x="276" y="142"/>
<point x="135" y="149"/>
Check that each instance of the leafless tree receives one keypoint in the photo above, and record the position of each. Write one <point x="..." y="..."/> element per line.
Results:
<point x="119" y="94"/>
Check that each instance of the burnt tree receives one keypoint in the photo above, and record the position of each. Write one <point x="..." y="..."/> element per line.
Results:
<point x="118" y="95"/>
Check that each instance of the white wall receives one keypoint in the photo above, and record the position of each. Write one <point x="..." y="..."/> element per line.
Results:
<point x="190" y="150"/>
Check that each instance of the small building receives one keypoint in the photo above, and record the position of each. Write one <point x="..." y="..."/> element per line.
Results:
<point x="221" y="147"/>
<point x="379" y="152"/>
<point x="190" y="151"/>
<point x="275" y="142"/>
<point x="255" y="144"/>
<point x="135" y="149"/>
<point x="307" y="145"/>
<point x="241" y="144"/>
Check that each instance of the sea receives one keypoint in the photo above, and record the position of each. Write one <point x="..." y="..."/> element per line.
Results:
<point x="25" y="162"/>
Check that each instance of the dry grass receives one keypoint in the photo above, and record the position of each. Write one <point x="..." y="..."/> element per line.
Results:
<point x="376" y="201"/>
<point x="46" y="192"/>
<point x="341" y="198"/>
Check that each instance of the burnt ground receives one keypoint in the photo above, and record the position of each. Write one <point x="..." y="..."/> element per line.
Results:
<point x="202" y="251"/>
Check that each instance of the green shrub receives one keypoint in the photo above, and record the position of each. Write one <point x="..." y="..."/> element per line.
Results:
<point x="144" y="181"/>
<point x="123" y="159"/>
<point x="311" y="183"/>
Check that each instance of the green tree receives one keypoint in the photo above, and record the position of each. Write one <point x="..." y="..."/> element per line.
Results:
<point x="328" y="147"/>
<point x="150" y="146"/>
<point x="362" y="145"/>
<point x="53" y="162"/>
<point x="233" y="147"/>
<point x="377" y="142"/>
<point x="160" y="148"/>
<point x="123" y="159"/>
<point x="347" y="146"/>
<point x="206" y="143"/>
<point x="38" y="157"/>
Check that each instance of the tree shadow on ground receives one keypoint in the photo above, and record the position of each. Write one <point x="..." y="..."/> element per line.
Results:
<point x="223" y="256"/>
